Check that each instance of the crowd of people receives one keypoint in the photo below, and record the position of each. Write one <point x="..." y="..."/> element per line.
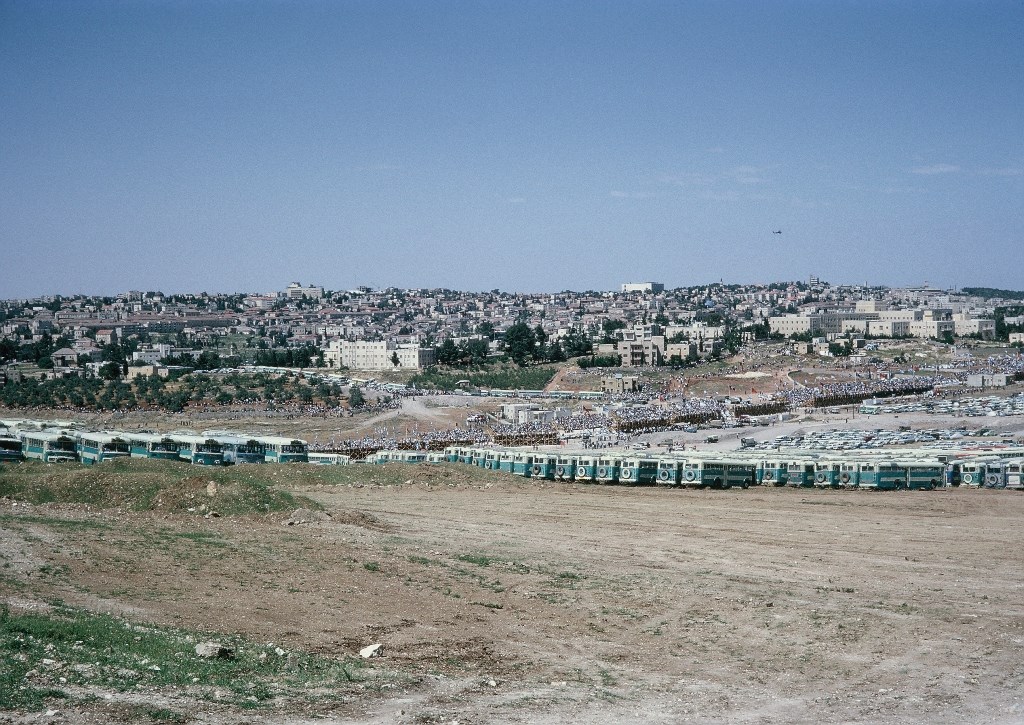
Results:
<point x="432" y="440"/>
<point x="852" y="391"/>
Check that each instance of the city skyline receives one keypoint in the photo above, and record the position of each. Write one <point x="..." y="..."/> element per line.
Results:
<point x="526" y="147"/>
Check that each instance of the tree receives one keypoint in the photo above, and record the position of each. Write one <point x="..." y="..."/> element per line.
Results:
<point x="609" y="326"/>
<point x="576" y="344"/>
<point x="486" y="329"/>
<point x="448" y="353"/>
<point x="474" y="351"/>
<point x="520" y="343"/>
<point x="110" y="371"/>
<point x="395" y="360"/>
<point x="355" y="397"/>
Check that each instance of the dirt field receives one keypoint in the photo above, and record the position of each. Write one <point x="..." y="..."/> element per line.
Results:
<point x="499" y="599"/>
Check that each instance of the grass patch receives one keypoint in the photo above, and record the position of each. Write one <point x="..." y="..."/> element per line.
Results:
<point x="477" y="559"/>
<point x="38" y="649"/>
<point x="143" y="485"/>
<point x="71" y="524"/>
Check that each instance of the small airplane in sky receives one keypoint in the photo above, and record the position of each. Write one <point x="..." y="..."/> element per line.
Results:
<point x="778" y="232"/>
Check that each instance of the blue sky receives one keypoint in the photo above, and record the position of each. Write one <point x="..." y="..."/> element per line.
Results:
<point x="529" y="146"/>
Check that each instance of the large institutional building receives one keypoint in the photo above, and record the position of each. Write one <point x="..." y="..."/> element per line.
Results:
<point x="869" y="319"/>
<point x="644" y="287"/>
<point x="365" y="355"/>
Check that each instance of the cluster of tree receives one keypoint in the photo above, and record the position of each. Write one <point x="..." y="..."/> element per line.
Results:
<point x="600" y="361"/>
<point x="73" y="392"/>
<point x="34" y="351"/>
<point x="843" y="349"/>
<point x="467" y="352"/>
<point x="990" y="292"/>
<point x="109" y="392"/>
<point x="206" y="360"/>
<point x="608" y="327"/>
<point x="691" y="359"/>
<point x="575" y="343"/>
<point x="503" y="378"/>
<point x="291" y="357"/>
<point x="524" y="344"/>
<point x="1003" y="329"/>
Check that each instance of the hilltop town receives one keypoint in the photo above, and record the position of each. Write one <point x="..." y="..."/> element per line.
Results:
<point x="642" y="324"/>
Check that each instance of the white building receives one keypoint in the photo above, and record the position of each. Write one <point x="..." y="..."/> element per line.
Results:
<point x="645" y="287"/>
<point x="367" y="355"/>
<point x="296" y="291"/>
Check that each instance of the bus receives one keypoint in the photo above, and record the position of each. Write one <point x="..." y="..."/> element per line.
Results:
<point x="772" y="472"/>
<point x="48" y="446"/>
<point x="639" y="470"/>
<point x="506" y="461"/>
<point x="1015" y="474"/>
<point x="151" y="445"/>
<point x="240" y="449"/>
<point x="719" y="473"/>
<point x="669" y="471"/>
<point x="199" y="450"/>
<point x="826" y="474"/>
<point x="378" y="457"/>
<point x="972" y="473"/>
<point x="608" y="469"/>
<point x="10" y="448"/>
<point x="800" y="473"/>
<point x="285" y="450"/>
<point x="848" y="474"/>
<point x="329" y="459"/>
<point x="995" y="474"/>
<point x="739" y="472"/>
<point x="586" y="468"/>
<point x="492" y="459"/>
<point x="924" y="475"/>
<point x="522" y="464"/>
<point x="477" y="456"/>
<point x="544" y="466"/>
<point x="452" y="454"/>
<point x="882" y="475"/>
<point x="565" y="468"/>
<point x="98" y="447"/>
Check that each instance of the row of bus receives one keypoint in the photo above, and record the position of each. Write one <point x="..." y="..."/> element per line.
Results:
<point x="918" y="468"/>
<point x="211" y="448"/>
<point x="909" y="469"/>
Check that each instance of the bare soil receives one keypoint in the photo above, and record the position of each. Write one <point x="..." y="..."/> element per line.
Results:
<point x="508" y="600"/>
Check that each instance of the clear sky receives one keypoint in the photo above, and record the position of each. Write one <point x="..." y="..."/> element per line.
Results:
<point x="529" y="146"/>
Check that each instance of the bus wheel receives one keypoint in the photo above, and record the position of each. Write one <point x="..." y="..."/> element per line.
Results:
<point x="744" y="485"/>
